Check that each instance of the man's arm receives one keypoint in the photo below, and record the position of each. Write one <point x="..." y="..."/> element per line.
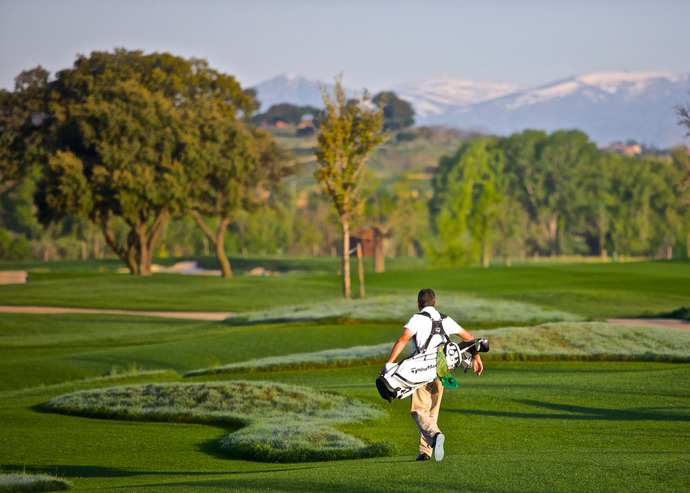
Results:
<point x="397" y="349"/>
<point x="477" y="364"/>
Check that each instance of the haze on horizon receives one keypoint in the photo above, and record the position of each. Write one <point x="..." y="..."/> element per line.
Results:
<point x="374" y="44"/>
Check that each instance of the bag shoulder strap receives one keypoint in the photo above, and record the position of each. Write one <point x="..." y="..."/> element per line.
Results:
<point x="436" y="328"/>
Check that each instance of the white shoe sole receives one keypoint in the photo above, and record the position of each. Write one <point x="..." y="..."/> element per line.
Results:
<point x="438" y="447"/>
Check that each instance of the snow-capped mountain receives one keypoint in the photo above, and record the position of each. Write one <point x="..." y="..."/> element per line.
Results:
<point x="435" y="96"/>
<point x="290" y="88"/>
<point x="606" y="105"/>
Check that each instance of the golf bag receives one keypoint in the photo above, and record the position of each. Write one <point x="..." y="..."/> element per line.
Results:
<point x="401" y="379"/>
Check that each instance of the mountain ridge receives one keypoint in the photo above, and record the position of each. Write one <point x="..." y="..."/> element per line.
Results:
<point x="608" y="105"/>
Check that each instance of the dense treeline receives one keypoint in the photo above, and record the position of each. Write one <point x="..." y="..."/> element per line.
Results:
<point x="141" y="156"/>
<point x="538" y="194"/>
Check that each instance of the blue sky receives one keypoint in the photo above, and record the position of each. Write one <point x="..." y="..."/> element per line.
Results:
<point x="375" y="44"/>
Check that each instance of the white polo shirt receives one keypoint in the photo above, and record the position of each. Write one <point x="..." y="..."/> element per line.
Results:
<point x="420" y="325"/>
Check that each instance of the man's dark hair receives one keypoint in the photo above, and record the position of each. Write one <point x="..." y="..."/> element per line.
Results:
<point x="426" y="297"/>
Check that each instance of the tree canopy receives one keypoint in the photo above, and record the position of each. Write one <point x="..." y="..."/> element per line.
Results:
<point x="397" y="113"/>
<point x="123" y="135"/>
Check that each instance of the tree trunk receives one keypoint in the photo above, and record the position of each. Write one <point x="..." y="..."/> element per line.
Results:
<point x="379" y="251"/>
<point x="360" y="268"/>
<point x="217" y="238"/>
<point x="219" y="243"/>
<point x="553" y="235"/>
<point x="140" y="242"/>
<point x="485" y="253"/>
<point x="346" y="258"/>
<point x="145" y="257"/>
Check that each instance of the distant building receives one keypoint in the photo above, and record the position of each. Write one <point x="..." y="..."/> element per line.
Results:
<point x="366" y="237"/>
<point x="629" y="149"/>
<point x="306" y="127"/>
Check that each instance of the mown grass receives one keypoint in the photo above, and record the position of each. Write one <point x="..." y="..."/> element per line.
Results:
<point x="23" y="482"/>
<point x="280" y="423"/>
<point x="521" y="426"/>
<point x="588" y="290"/>
<point x="396" y="308"/>
<point x="576" y="341"/>
<point x="154" y="343"/>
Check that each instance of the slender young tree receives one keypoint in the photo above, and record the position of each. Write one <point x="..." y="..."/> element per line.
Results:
<point x="349" y="132"/>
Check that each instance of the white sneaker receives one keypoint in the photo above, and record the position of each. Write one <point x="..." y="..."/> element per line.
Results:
<point x="438" y="446"/>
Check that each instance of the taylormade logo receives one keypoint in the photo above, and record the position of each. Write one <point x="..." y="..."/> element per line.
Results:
<point x="418" y="370"/>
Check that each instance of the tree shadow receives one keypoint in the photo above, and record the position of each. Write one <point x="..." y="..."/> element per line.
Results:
<point x="273" y="484"/>
<point x="578" y="413"/>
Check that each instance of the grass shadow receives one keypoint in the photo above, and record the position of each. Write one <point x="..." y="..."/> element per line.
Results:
<point x="577" y="413"/>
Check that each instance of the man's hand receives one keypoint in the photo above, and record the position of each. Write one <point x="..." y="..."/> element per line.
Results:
<point x="383" y="371"/>
<point x="477" y="365"/>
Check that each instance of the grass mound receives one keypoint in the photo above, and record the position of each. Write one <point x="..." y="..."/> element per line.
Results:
<point x="590" y="341"/>
<point x="578" y="341"/>
<point x="464" y="309"/>
<point x="330" y="358"/>
<point x="267" y="410"/>
<point x="294" y="441"/>
<point x="22" y="482"/>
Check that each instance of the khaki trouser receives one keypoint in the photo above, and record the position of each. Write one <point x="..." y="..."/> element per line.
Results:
<point x="426" y="402"/>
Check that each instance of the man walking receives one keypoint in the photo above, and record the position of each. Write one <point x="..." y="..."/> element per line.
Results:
<point x="426" y="400"/>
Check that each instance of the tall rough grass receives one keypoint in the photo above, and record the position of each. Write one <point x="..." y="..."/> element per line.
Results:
<point x="283" y="423"/>
<point x="23" y="482"/>
<point x="330" y="358"/>
<point x="555" y="341"/>
<point x="398" y="308"/>
<point x="590" y="341"/>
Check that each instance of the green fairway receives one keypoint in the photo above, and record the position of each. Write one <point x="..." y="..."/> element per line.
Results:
<point x="520" y="427"/>
<point x="588" y="290"/>
<point x="537" y="426"/>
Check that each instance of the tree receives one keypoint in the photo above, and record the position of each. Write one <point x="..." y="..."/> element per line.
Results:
<point x="125" y="163"/>
<point x="122" y="132"/>
<point x="24" y="125"/>
<point x="467" y="193"/>
<point x="542" y="170"/>
<point x="287" y="113"/>
<point x="232" y="168"/>
<point x="385" y="210"/>
<point x="349" y="133"/>
<point x="397" y="113"/>
<point x="680" y="158"/>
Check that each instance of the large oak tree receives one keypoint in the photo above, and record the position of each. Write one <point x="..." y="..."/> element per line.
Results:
<point x="122" y="131"/>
